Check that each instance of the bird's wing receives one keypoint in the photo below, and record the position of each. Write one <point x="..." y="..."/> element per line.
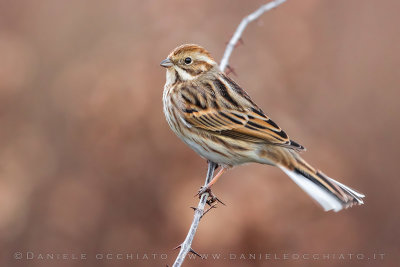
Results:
<point x="223" y="107"/>
<point x="247" y="124"/>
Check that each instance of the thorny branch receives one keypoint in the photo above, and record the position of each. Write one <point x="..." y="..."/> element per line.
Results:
<point x="186" y="246"/>
<point x="242" y="26"/>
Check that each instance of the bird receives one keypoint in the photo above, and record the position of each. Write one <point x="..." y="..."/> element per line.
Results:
<point x="216" y="117"/>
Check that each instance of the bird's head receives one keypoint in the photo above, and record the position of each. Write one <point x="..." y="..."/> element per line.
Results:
<point x="188" y="61"/>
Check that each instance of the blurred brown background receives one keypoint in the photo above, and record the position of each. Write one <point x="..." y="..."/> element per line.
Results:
<point x="89" y="165"/>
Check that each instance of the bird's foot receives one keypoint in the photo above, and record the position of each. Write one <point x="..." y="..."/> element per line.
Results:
<point x="211" y="197"/>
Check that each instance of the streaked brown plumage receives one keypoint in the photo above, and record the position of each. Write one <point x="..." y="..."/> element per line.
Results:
<point x="218" y="119"/>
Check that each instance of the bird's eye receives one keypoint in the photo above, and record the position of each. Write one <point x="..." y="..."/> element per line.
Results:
<point x="188" y="60"/>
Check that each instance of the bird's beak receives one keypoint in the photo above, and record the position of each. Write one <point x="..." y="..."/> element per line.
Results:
<point x="166" y="63"/>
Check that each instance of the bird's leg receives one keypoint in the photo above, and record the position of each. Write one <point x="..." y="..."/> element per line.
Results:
<point x="207" y="187"/>
<point x="215" y="179"/>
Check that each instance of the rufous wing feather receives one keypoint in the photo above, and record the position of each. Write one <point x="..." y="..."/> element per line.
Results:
<point x="250" y="125"/>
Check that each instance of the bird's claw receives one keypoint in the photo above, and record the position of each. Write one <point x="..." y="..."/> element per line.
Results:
<point x="211" y="197"/>
<point x="202" y="190"/>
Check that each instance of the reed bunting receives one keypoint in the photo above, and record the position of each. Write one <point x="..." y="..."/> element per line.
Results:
<point x="214" y="116"/>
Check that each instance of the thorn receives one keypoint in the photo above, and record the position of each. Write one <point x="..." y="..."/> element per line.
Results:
<point x="210" y="208"/>
<point x="213" y="198"/>
<point x="191" y="250"/>
<point x="239" y="42"/>
<point x="195" y="253"/>
<point x="218" y="200"/>
<point x="193" y="208"/>
<point x="230" y="70"/>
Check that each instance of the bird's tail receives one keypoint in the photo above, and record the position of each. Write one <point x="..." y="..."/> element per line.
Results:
<point x="330" y="194"/>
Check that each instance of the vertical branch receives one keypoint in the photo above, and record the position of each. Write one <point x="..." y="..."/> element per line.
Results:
<point x="242" y="26"/>
<point x="186" y="246"/>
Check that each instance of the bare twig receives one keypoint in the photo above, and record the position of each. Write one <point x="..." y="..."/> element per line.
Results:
<point x="242" y="26"/>
<point x="186" y="246"/>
